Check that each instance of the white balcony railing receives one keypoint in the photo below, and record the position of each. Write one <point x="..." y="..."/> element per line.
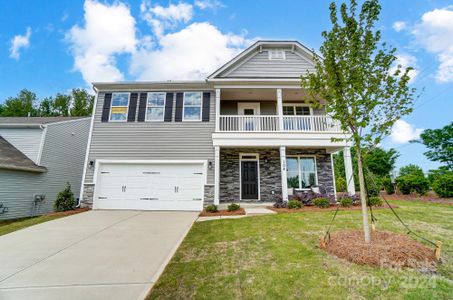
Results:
<point x="270" y="123"/>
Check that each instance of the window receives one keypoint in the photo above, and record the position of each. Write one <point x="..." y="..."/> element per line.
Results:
<point x="155" y="106"/>
<point x="192" y="106"/>
<point x="277" y="54"/>
<point x="301" y="172"/>
<point x="296" y="110"/>
<point x="120" y="106"/>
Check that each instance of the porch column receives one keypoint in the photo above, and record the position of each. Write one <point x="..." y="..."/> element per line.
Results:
<point x="283" y="172"/>
<point x="348" y="170"/>
<point x="216" y="175"/>
<point x="217" y="110"/>
<point x="280" y="109"/>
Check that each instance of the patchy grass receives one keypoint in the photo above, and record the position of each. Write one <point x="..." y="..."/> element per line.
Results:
<point x="278" y="257"/>
<point x="7" y="226"/>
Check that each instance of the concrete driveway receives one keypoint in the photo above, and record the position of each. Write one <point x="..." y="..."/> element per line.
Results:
<point x="92" y="255"/>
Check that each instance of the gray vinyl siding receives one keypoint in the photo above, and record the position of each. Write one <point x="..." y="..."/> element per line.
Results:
<point x="152" y="140"/>
<point x="27" y="140"/>
<point x="63" y="155"/>
<point x="230" y="107"/>
<point x="260" y="66"/>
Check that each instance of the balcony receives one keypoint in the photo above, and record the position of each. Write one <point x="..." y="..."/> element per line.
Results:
<point x="271" y="123"/>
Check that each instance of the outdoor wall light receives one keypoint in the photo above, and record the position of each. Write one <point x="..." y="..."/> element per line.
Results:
<point x="91" y="163"/>
<point x="209" y="165"/>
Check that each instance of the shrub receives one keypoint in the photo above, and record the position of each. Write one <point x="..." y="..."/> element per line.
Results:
<point x="340" y="184"/>
<point x="388" y="185"/>
<point x="443" y="185"/>
<point x="65" y="199"/>
<point x="211" y="208"/>
<point x="279" y="203"/>
<point x="322" y="202"/>
<point x="412" y="183"/>
<point x="233" y="207"/>
<point x="375" y="201"/>
<point x="293" y="204"/>
<point x="306" y="198"/>
<point x="346" y="202"/>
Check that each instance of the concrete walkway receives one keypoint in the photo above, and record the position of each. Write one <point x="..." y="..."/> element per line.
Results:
<point x="92" y="255"/>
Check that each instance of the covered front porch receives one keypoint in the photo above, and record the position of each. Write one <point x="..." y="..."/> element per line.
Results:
<point x="264" y="174"/>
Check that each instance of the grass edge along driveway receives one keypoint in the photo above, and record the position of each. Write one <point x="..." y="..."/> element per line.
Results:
<point x="278" y="257"/>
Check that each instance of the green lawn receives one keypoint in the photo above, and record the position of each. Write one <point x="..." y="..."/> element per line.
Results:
<point x="277" y="257"/>
<point x="16" y="224"/>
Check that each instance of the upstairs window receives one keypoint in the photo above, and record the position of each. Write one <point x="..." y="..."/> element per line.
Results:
<point x="120" y="106"/>
<point x="277" y="54"/>
<point x="155" y="106"/>
<point x="296" y="110"/>
<point x="192" y="106"/>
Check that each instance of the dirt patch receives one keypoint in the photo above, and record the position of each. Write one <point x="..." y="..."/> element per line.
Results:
<point x="316" y="209"/>
<point x="429" y="197"/>
<point x="69" y="212"/>
<point x="387" y="249"/>
<point x="223" y="212"/>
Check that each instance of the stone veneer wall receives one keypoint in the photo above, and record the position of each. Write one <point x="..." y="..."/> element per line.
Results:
<point x="208" y="194"/>
<point x="270" y="177"/>
<point x="88" y="193"/>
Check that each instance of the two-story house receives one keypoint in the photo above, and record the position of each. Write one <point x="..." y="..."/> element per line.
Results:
<point x="245" y="134"/>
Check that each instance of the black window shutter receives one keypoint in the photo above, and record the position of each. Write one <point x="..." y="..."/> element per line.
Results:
<point x="142" y="107"/>
<point x="132" y="107"/>
<point x="168" y="107"/>
<point x="179" y="106"/>
<point x="206" y="107"/>
<point x="106" y="107"/>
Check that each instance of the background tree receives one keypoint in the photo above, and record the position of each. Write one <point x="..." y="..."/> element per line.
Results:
<point x="46" y="107"/>
<point x="20" y="106"/>
<point x="61" y="105"/>
<point x="411" y="170"/>
<point x="82" y="102"/>
<point x="354" y="81"/>
<point x="440" y="144"/>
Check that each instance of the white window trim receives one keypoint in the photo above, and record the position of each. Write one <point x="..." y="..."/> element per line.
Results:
<point x="257" y="159"/>
<point x="256" y="106"/>
<point x="298" y="166"/>
<point x="298" y="104"/>
<point x="184" y="106"/>
<point x="127" y="107"/>
<point x="146" y="110"/>
<point x="270" y="51"/>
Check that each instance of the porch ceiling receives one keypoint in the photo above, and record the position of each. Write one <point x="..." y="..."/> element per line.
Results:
<point x="267" y="94"/>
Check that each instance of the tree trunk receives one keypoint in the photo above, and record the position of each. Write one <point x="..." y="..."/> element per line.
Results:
<point x="363" y="196"/>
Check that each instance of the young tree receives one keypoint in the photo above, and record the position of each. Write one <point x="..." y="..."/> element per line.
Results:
<point x="440" y="144"/>
<point x="355" y="82"/>
<point x="82" y="103"/>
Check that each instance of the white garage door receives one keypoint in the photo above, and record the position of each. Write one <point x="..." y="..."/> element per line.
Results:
<point x="150" y="186"/>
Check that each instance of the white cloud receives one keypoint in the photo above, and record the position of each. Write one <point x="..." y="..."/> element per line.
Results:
<point x="399" y="25"/>
<point x="405" y="61"/>
<point x="19" y="42"/>
<point x="108" y="30"/>
<point x="435" y="33"/>
<point x="191" y="53"/>
<point x="403" y="132"/>
<point x="208" y="4"/>
<point x="161" y="18"/>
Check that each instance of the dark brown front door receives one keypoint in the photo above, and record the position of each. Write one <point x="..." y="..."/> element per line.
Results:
<point x="249" y="179"/>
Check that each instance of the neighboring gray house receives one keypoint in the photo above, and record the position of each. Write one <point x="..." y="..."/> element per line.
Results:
<point x="37" y="157"/>
<point x="246" y="133"/>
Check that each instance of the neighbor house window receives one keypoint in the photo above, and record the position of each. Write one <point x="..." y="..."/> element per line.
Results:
<point x="155" y="106"/>
<point x="192" y="106"/>
<point x="119" y="109"/>
<point x="301" y="172"/>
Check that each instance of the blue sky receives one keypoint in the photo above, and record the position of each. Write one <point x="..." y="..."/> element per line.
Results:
<point x="54" y="46"/>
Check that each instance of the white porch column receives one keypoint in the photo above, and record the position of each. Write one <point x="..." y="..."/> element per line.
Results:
<point x="280" y="109"/>
<point x="283" y="172"/>
<point x="348" y="170"/>
<point x="217" y="110"/>
<point x="216" y="175"/>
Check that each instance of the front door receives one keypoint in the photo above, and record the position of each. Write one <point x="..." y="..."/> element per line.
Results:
<point x="249" y="180"/>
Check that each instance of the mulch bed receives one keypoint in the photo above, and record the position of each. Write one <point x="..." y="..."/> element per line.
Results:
<point x="387" y="249"/>
<point x="222" y="212"/>
<point x="310" y="208"/>
<point x="68" y="212"/>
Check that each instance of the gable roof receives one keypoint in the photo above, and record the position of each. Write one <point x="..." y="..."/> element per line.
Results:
<point x="252" y="62"/>
<point x="30" y="121"/>
<point x="13" y="159"/>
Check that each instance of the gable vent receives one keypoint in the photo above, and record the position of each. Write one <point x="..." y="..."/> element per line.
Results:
<point x="277" y="54"/>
